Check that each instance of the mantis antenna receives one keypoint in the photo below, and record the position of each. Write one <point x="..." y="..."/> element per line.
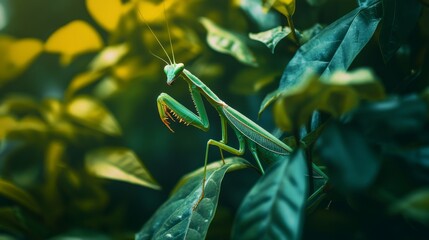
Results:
<point x="160" y="58"/>
<point x="159" y="42"/>
<point x="169" y="35"/>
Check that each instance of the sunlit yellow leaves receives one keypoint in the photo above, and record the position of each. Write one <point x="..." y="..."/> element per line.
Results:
<point x="82" y="80"/>
<point x="18" y="195"/>
<point x="109" y="56"/>
<point x="16" y="55"/>
<point x="93" y="114"/>
<point x="336" y="95"/>
<point x="119" y="164"/>
<point x="151" y="12"/>
<point x="285" y="7"/>
<point x="73" y="39"/>
<point x="27" y="128"/>
<point x="107" y="13"/>
<point x="224" y="41"/>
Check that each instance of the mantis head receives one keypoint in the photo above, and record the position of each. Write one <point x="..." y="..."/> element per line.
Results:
<point x="173" y="71"/>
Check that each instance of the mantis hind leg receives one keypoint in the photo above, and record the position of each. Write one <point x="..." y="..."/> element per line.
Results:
<point x="254" y="150"/>
<point x="222" y="146"/>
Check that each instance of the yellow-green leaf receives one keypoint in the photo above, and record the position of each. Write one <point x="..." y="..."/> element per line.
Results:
<point x="119" y="164"/>
<point x="30" y="128"/>
<point x="82" y="80"/>
<point x="109" y="56"/>
<point x="19" y="104"/>
<point x="336" y="95"/>
<point x="414" y="206"/>
<point x="74" y="38"/>
<point x="93" y="114"/>
<point x="225" y="41"/>
<point x="18" y="195"/>
<point x="285" y="7"/>
<point x="107" y="13"/>
<point x="16" y="55"/>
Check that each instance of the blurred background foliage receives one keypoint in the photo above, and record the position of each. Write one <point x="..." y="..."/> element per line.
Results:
<point x="81" y="140"/>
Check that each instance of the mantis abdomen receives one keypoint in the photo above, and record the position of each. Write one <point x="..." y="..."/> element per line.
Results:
<point x="254" y="132"/>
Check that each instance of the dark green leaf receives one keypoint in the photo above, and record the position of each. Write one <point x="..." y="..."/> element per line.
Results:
<point x="335" y="47"/>
<point x="400" y="119"/>
<point x="176" y="219"/>
<point x="399" y="19"/>
<point x="271" y="37"/>
<point x="274" y="207"/>
<point x="308" y="34"/>
<point x="11" y="220"/>
<point x="352" y="164"/>
<point x="316" y="3"/>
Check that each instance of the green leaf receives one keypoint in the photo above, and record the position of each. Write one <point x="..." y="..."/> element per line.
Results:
<point x="92" y="113"/>
<point x="399" y="19"/>
<point x="274" y="207"/>
<point x="335" y="47"/>
<point x="176" y="219"/>
<point x="11" y="221"/>
<point x="252" y="80"/>
<point x="409" y="121"/>
<point x="18" y="195"/>
<point x="270" y="98"/>
<point x="336" y="94"/>
<point x="310" y="33"/>
<point x="225" y="41"/>
<point x="119" y="164"/>
<point x="352" y="163"/>
<point x="271" y="37"/>
<point x="414" y="206"/>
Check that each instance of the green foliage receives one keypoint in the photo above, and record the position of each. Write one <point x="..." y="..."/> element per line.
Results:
<point x="179" y="217"/>
<point x="275" y="202"/>
<point x="81" y="143"/>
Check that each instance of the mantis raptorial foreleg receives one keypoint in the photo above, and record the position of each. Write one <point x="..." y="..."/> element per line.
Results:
<point x="170" y="108"/>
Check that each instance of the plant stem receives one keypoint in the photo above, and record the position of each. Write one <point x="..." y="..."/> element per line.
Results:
<point x="292" y="27"/>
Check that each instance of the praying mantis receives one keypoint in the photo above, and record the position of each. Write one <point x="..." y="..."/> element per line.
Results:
<point x="247" y="132"/>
